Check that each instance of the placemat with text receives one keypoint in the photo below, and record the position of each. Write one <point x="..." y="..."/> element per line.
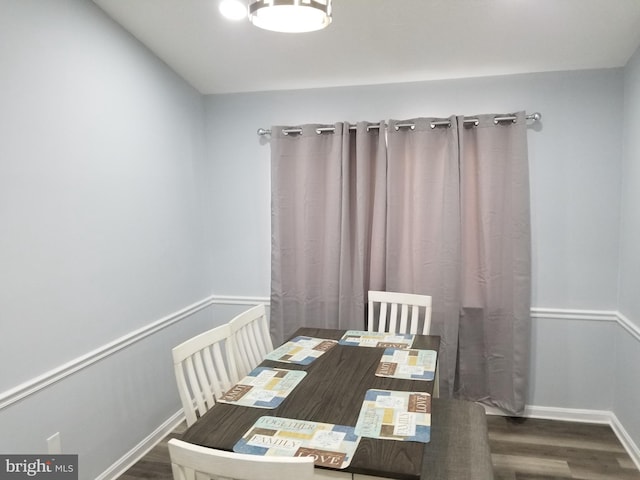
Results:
<point x="263" y="387"/>
<point x="331" y="445"/>
<point x="394" y="415"/>
<point x="360" y="338"/>
<point x="409" y="364"/>
<point x="301" y="350"/>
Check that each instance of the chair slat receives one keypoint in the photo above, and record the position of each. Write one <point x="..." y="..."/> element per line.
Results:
<point x="398" y="306"/>
<point x="203" y="372"/>
<point x="403" y="317"/>
<point x="250" y="331"/>
<point x="210" y="379"/>
<point x="420" y="315"/>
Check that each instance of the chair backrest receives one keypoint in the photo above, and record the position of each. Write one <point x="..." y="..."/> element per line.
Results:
<point x="205" y="368"/>
<point x="389" y="312"/>
<point x="190" y="461"/>
<point x="252" y="341"/>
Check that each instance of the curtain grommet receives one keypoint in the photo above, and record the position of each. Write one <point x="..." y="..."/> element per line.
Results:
<point x="440" y="123"/>
<point x="321" y="130"/>
<point x="499" y="120"/>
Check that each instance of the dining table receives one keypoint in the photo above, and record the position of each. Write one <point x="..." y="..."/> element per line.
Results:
<point x="332" y="391"/>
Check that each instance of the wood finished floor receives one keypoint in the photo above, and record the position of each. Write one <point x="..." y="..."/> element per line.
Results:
<point x="533" y="449"/>
<point x="521" y="449"/>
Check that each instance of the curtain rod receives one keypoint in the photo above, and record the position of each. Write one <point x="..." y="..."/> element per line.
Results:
<point x="438" y="123"/>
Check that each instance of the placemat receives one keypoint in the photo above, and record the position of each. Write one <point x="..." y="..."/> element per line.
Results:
<point x="409" y="364"/>
<point x="393" y="415"/>
<point x="360" y="338"/>
<point x="301" y="350"/>
<point x="263" y="387"/>
<point x="331" y="445"/>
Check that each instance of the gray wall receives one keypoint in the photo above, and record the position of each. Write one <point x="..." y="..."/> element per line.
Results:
<point x="101" y="220"/>
<point x="630" y="227"/>
<point x="125" y="196"/>
<point x="628" y="354"/>
<point x="574" y="157"/>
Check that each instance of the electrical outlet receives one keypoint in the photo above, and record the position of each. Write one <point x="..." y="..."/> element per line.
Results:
<point x="54" y="445"/>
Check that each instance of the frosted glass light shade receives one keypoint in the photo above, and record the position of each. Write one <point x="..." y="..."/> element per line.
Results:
<point x="233" y="9"/>
<point x="291" y="16"/>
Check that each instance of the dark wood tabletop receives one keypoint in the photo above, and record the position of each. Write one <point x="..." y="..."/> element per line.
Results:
<point x="332" y="392"/>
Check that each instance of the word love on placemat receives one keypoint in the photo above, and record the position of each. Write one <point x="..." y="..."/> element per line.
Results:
<point x="330" y="445"/>
<point x="359" y="338"/>
<point x="263" y="388"/>
<point x="301" y="350"/>
<point x="392" y="415"/>
<point x="408" y="364"/>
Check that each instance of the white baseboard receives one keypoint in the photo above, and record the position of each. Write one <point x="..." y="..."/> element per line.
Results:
<point x="583" y="416"/>
<point x="568" y="414"/>
<point x="630" y="446"/>
<point x="142" y="448"/>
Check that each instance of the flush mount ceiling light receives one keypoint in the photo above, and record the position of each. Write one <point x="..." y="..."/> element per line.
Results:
<point x="291" y="16"/>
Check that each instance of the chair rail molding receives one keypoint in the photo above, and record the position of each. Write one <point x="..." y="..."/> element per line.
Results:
<point x="54" y="375"/>
<point x="15" y="394"/>
<point x="36" y="384"/>
<point x="239" y="300"/>
<point x="572" y="314"/>
<point x="625" y="323"/>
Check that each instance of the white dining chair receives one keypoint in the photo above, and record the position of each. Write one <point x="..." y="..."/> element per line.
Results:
<point x="189" y="461"/>
<point x="205" y="368"/>
<point x="252" y="341"/>
<point x="389" y="312"/>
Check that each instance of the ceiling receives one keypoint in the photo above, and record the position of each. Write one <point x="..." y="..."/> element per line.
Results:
<point x="383" y="41"/>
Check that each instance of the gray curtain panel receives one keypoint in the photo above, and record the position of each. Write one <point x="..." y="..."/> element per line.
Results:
<point x="327" y="217"/>
<point x="423" y="227"/>
<point x="436" y="211"/>
<point x="494" y="332"/>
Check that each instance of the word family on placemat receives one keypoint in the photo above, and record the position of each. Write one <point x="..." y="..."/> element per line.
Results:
<point x="360" y="338"/>
<point x="408" y="364"/>
<point x="330" y="445"/>
<point x="394" y="415"/>
<point x="263" y="387"/>
<point x="301" y="350"/>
